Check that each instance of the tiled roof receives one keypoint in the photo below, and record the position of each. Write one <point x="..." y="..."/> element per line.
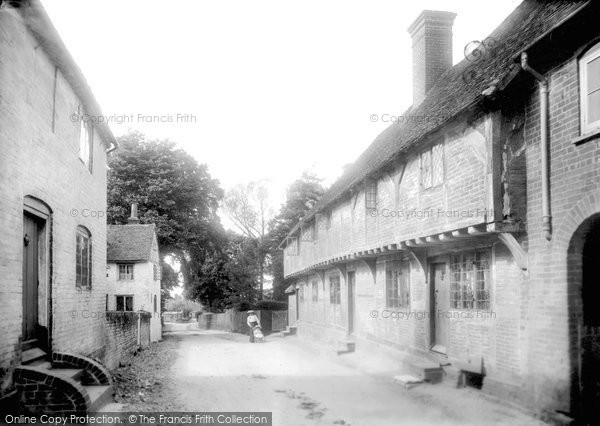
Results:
<point x="457" y="90"/>
<point x="129" y="243"/>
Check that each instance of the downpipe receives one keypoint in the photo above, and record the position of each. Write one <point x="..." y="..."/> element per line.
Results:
<point x="139" y="328"/>
<point x="544" y="146"/>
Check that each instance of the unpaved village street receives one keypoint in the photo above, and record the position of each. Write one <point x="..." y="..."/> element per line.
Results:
<point x="304" y="385"/>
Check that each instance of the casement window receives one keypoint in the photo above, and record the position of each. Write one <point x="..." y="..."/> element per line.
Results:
<point x="470" y="280"/>
<point x="335" y="296"/>
<point x="432" y="166"/>
<point x="315" y="291"/>
<point x="156" y="271"/>
<point x="589" y="74"/>
<point x="308" y="233"/>
<point x="85" y="139"/>
<point x="371" y="195"/>
<point x="83" y="258"/>
<point x="397" y="288"/>
<point x="125" y="271"/>
<point x="124" y="303"/>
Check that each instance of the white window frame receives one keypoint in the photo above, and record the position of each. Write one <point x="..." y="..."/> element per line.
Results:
<point x="85" y="139"/>
<point x="126" y="276"/>
<point x="591" y="55"/>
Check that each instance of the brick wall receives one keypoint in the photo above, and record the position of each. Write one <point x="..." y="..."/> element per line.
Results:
<point x="552" y="305"/>
<point x="121" y="334"/>
<point x="40" y="145"/>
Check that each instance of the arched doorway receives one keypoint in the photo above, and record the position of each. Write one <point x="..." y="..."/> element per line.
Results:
<point x="584" y="284"/>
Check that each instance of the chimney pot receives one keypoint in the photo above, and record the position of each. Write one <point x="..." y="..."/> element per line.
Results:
<point x="133" y="219"/>
<point x="431" y="36"/>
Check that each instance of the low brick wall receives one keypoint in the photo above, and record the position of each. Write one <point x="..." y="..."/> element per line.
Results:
<point x="121" y="335"/>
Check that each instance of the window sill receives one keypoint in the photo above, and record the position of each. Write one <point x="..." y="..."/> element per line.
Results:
<point x="586" y="137"/>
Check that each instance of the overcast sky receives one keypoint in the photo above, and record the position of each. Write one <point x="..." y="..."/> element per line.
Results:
<point x="264" y="89"/>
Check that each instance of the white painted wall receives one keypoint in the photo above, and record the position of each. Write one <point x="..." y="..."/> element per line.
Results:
<point x="143" y="288"/>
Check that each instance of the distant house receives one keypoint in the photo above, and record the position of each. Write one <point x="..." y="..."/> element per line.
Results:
<point x="468" y="232"/>
<point x="133" y="270"/>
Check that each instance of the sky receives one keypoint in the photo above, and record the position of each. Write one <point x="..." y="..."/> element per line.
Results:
<point x="257" y="90"/>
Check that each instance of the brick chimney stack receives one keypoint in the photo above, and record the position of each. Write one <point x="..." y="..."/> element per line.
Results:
<point x="431" y="36"/>
<point x="133" y="219"/>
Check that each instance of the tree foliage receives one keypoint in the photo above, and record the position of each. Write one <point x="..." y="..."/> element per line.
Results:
<point x="175" y="193"/>
<point x="301" y="196"/>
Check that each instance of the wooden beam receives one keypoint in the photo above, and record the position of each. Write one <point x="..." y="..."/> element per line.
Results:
<point x="516" y="250"/>
<point x="460" y="233"/>
<point x="446" y="237"/>
<point x="476" y="230"/>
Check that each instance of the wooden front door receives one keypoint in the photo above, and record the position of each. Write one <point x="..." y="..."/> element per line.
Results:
<point x="31" y="228"/>
<point x="440" y="306"/>
<point x="351" y="290"/>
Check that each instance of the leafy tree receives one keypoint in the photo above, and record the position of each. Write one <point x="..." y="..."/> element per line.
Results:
<point x="301" y="196"/>
<point x="248" y="208"/>
<point x="175" y="193"/>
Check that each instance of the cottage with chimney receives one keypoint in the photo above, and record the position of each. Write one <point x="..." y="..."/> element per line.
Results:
<point x="52" y="209"/>
<point x="468" y="239"/>
<point x="133" y="270"/>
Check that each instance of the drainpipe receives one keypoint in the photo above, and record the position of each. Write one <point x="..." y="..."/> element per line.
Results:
<point x="139" y="333"/>
<point x="546" y="216"/>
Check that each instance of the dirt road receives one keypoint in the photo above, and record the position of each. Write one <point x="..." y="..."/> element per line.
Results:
<point x="217" y="371"/>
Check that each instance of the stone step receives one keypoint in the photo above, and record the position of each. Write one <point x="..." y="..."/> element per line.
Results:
<point x="31" y="355"/>
<point x="346" y="347"/>
<point x="42" y="363"/>
<point x="426" y="370"/>
<point x="69" y="373"/>
<point x="29" y="344"/>
<point x="99" y="396"/>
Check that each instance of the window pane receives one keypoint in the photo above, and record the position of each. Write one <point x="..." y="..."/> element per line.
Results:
<point x="426" y="169"/>
<point x="89" y="263"/>
<point x="437" y="164"/>
<point x="593" y="75"/>
<point x="120" y="305"/>
<point x="129" y="303"/>
<point x="78" y="260"/>
<point x="593" y="107"/>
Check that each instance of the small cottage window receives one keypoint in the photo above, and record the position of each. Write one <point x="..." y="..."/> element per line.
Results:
<point x="315" y="291"/>
<point x="85" y="139"/>
<point x="83" y="258"/>
<point x="125" y="271"/>
<point x="470" y="280"/>
<point x="125" y="303"/>
<point x="432" y="166"/>
<point x="397" y="293"/>
<point x="334" y="290"/>
<point x="371" y="195"/>
<point x="589" y="69"/>
<point x="437" y="164"/>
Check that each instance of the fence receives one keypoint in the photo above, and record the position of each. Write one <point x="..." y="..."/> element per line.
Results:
<point x="236" y="321"/>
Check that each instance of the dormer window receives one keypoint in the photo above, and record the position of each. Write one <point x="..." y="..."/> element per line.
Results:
<point x="589" y="73"/>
